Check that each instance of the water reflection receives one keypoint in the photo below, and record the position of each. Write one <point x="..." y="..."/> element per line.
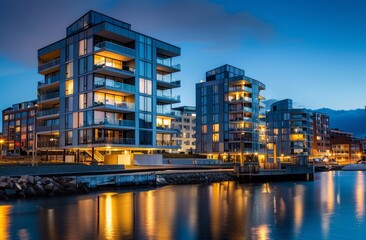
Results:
<point x="360" y="195"/>
<point x="327" y="208"/>
<point x="4" y="222"/>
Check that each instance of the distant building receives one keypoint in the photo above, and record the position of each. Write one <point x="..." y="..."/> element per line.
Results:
<point x="18" y="128"/>
<point x="345" y="148"/>
<point x="230" y="115"/>
<point x="290" y="131"/>
<point x="321" y="135"/>
<point x="185" y="123"/>
<point x="107" y="90"/>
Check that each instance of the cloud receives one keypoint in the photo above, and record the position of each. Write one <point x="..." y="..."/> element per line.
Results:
<point x="30" y="25"/>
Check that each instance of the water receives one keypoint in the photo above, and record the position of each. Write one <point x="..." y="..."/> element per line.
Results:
<point x="331" y="207"/>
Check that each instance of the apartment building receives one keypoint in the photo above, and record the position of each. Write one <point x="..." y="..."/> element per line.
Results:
<point x="321" y="135"/>
<point x="290" y="131"/>
<point x="345" y="148"/>
<point x="230" y="115"/>
<point x="18" y="131"/>
<point x="106" y="89"/>
<point x="185" y="124"/>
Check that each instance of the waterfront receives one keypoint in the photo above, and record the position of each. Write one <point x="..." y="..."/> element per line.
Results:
<point x="330" y="207"/>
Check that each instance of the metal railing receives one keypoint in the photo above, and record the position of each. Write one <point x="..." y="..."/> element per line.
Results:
<point x="168" y="96"/>
<point x="125" y="141"/>
<point x="115" y="47"/>
<point x="48" y="112"/>
<point x="114" y="85"/>
<point x="49" y="64"/>
<point x="167" y="62"/>
<point x="114" y="122"/>
<point x="49" y="96"/>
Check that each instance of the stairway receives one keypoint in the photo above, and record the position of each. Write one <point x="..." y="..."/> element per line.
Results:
<point x="97" y="155"/>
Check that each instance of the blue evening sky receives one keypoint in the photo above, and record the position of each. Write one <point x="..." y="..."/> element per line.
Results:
<point x="313" y="52"/>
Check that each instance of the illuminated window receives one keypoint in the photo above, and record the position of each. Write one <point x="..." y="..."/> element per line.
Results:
<point x="69" y="70"/>
<point x="216" y="128"/>
<point x="69" y="86"/>
<point x="215" y="137"/>
<point x="297" y="137"/>
<point x="204" y="128"/>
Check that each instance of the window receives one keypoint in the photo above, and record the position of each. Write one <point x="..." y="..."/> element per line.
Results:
<point x="68" y="138"/>
<point x="69" y="87"/>
<point x="69" y="70"/>
<point x="145" y="104"/>
<point x="145" y="137"/>
<point x="216" y="127"/>
<point x="145" y="86"/>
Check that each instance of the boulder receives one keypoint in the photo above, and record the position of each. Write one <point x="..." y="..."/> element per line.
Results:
<point x="72" y="184"/>
<point x="31" y="192"/>
<point x="39" y="190"/>
<point x="49" y="187"/>
<point x="3" y="185"/>
<point x="31" y="180"/>
<point x="10" y="193"/>
<point x="17" y="187"/>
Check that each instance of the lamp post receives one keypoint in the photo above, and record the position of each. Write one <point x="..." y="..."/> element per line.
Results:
<point x="1" y="149"/>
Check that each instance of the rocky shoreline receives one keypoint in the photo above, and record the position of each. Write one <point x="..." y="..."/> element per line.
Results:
<point x="35" y="186"/>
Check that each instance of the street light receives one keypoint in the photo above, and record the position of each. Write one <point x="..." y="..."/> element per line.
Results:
<point x="1" y="143"/>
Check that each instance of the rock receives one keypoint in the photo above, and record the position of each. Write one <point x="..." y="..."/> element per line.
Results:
<point x="31" y="192"/>
<point x="3" y="185"/>
<point x="49" y="187"/>
<point x="2" y="179"/>
<point x="24" y="186"/>
<point x="57" y="191"/>
<point x="160" y="180"/>
<point x="70" y="190"/>
<point x="17" y="187"/>
<point x="2" y="195"/>
<point x="23" y="179"/>
<point x="10" y="193"/>
<point x="37" y="178"/>
<point x="31" y="180"/>
<point x="39" y="190"/>
<point x="72" y="184"/>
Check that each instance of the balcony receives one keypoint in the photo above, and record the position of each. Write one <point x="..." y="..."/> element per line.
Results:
<point x="51" y="81"/>
<point x="48" y="97"/>
<point x="240" y="89"/>
<point x="115" y="86"/>
<point x="48" y="113"/>
<point x="167" y="65"/>
<point x="240" y="109"/>
<point x="51" y="128"/>
<point x="48" y="143"/>
<point x="114" y="122"/>
<point x="114" y="50"/>
<point x="167" y="112"/>
<point x="241" y="119"/>
<point x="120" y="141"/>
<point x="165" y="128"/>
<point x="166" y="81"/>
<point x="166" y="143"/>
<point x="167" y="97"/>
<point x="240" y="99"/>
<point x="262" y="105"/>
<point x="122" y="106"/>
<point x="49" y="67"/>
<point x="112" y="67"/>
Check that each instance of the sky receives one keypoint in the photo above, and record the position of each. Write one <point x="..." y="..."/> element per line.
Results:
<point x="311" y="51"/>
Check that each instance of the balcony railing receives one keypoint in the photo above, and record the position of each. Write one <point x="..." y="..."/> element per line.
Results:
<point x="114" y="122"/>
<point x="49" y="64"/>
<point x="51" y="143"/>
<point x="49" y="80"/>
<point x="168" y="112"/>
<point x="125" y="141"/>
<point x="51" y="128"/>
<point x="246" y="99"/>
<point x="115" y="47"/>
<point x="246" y="119"/>
<point x="167" y="78"/>
<point x="122" y="87"/>
<point x="246" y="109"/>
<point x="117" y="106"/>
<point x="167" y="62"/>
<point x="48" y="112"/>
<point x="166" y="143"/>
<point x="168" y="96"/>
<point x="240" y="88"/>
<point x="165" y="128"/>
<point x="113" y="63"/>
<point x="49" y="96"/>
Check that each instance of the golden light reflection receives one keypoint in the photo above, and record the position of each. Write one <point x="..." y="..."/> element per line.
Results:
<point x="4" y="222"/>
<point x="298" y="207"/>
<point x="327" y="199"/>
<point x="266" y="188"/>
<point x="360" y="195"/>
<point x="261" y="232"/>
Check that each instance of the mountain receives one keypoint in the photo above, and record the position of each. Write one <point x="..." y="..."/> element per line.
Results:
<point x="353" y="121"/>
<point x="347" y="120"/>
